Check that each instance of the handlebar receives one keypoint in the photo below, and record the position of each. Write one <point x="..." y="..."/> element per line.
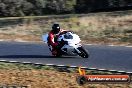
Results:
<point x="64" y="32"/>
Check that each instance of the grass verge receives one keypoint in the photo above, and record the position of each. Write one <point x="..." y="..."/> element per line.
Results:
<point x="36" y="76"/>
<point x="103" y="28"/>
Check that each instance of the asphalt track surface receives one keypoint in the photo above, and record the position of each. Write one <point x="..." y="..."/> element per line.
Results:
<point x="101" y="56"/>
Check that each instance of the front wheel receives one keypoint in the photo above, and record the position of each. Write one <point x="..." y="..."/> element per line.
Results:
<point x="84" y="53"/>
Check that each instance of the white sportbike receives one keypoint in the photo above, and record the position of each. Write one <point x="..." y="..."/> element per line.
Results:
<point x="69" y="44"/>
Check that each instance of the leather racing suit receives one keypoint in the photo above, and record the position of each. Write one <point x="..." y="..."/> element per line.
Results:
<point x="52" y="41"/>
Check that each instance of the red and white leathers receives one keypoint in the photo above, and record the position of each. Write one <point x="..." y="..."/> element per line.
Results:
<point x="52" y="41"/>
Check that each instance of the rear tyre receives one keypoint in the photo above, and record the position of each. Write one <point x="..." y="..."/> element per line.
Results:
<point x="59" y="54"/>
<point x="84" y="53"/>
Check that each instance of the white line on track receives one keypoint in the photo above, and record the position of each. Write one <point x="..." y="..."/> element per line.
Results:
<point x="83" y="67"/>
<point x="112" y="70"/>
<point x="13" y="61"/>
<point x="61" y="65"/>
<point x="93" y="68"/>
<point x="102" y="69"/>
<point x="49" y="64"/>
<point x="3" y="60"/>
<point x="110" y="45"/>
<point x="128" y="46"/>
<point x="121" y="71"/>
<point x="38" y="63"/>
<point x="73" y="66"/>
<point x="129" y="72"/>
<point x="26" y="62"/>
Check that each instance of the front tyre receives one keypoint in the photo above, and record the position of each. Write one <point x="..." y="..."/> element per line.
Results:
<point x="84" y="53"/>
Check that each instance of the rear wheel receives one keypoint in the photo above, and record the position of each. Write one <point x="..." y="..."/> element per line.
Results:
<point x="58" y="55"/>
<point x="57" y="52"/>
<point x="84" y="53"/>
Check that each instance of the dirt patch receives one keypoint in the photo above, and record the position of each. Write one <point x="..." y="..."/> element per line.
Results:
<point x="34" y="38"/>
<point x="104" y="42"/>
<point x="15" y="37"/>
<point x="48" y="79"/>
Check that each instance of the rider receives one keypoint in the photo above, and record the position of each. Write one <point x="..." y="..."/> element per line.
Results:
<point x="52" y="39"/>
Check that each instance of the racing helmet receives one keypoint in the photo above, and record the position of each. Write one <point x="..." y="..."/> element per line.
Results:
<point x="55" y="28"/>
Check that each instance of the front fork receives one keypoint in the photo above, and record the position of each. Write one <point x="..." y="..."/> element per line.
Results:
<point x="76" y="48"/>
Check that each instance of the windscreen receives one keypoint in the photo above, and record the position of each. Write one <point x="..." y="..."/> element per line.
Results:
<point x="68" y="36"/>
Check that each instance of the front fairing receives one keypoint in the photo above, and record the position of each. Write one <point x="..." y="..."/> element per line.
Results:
<point x="69" y="50"/>
<point x="73" y="42"/>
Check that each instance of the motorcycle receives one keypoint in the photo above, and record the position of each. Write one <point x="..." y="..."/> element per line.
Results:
<point x="69" y="45"/>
